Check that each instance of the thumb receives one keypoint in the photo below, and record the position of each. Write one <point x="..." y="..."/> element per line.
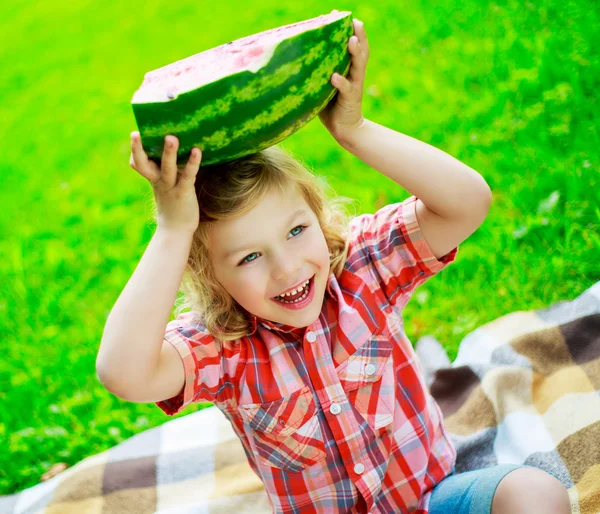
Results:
<point x="341" y="83"/>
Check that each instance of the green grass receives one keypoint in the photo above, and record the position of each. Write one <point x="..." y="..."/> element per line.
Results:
<point x="510" y="89"/>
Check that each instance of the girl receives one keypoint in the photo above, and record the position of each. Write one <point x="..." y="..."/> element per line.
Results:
<point x="295" y="330"/>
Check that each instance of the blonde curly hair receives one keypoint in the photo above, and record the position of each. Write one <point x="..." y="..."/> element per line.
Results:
<point x="228" y="190"/>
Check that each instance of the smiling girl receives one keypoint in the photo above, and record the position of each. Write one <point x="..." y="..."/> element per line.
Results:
<point x="294" y="329"/>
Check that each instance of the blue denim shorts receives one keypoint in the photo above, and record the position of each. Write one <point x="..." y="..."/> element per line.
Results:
<point x="470" y="492"/>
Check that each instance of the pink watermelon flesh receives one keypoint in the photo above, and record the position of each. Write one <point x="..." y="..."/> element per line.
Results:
<point x="195" y="98"/>
<point x="248" y="53"/>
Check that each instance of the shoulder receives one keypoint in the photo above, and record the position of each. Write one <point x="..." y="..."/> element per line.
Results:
<point x="388" y="250"/>
<point x="370" y="235"/>
<point x="371" y="224"/>
<point x="189" y="327"/>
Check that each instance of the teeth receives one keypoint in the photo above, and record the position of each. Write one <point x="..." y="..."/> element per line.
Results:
<point x="295" y="301"/>
<point x="294" y="291"/>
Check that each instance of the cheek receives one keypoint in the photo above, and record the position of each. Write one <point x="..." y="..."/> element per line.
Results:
<point x="250" y="288"/>
<point x="312" y="247"/>
<point x="237" y="285"/>
<point x="322" y="249"/>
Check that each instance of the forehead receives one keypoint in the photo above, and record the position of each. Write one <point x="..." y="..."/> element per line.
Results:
<point x="254" y="226"/>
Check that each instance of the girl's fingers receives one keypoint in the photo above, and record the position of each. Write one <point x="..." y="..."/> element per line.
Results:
<point x="188" y="174"/>
<point x="360" y="47"/>
<point x="139" y="160"/>
<point x="167" y="175"/>
<point x="169" y="162"/>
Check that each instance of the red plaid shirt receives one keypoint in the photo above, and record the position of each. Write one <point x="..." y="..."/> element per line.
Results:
<point x="334" y="417"/>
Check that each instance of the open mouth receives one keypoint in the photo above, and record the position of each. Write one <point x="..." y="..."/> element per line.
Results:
<point x="299" y="297"/>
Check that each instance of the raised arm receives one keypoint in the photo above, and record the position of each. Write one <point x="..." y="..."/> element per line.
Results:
<point x="132" y="342"/>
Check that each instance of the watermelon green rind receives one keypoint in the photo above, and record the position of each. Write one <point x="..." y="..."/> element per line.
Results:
<point x="251" y="110"/>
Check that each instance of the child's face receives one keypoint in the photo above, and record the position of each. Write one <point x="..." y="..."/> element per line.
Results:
<point x="272" y="254"/>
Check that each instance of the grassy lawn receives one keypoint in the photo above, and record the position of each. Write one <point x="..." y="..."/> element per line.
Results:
<point x="510" y="89"/>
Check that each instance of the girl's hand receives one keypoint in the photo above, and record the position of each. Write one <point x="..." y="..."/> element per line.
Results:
<point x="173" y="187"/>
<point x="344" y="112"/>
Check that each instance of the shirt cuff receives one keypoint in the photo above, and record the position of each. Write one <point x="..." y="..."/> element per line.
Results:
<point x="411" y="229"/>
<point x="176" y="404"/>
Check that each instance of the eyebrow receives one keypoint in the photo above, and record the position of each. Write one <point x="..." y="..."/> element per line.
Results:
<point x="245" y="247"/>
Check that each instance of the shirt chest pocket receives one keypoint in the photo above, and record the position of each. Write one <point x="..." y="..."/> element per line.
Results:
<point x="367" y="377"/>
<point x="286" y="432"/>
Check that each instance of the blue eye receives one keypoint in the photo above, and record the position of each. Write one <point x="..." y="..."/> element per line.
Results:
<point x="244" y="261"/>
<point x="299" y="226"/>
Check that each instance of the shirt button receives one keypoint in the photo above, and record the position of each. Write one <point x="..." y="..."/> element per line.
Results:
<point x="370" y="369"/>
<point x="311" y="337"/>
<point x="335" y="408"/>
<point x="359" y="468"/>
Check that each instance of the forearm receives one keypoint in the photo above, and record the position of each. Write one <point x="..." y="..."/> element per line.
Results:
<point x="444" y="184"/>
<point x="135" y="328"/>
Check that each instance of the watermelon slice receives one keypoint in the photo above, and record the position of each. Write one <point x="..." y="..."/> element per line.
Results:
<point x="246" y="95"/>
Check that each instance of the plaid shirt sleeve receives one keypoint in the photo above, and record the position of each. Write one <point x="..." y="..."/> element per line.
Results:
<point x="392" y="242"/>
<point x="208" y="368"/>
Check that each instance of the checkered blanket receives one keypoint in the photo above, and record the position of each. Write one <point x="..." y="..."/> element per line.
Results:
<point x="523" y="389"/>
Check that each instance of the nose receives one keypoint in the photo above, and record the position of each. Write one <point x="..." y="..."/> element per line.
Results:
<point x="285" y="267"/>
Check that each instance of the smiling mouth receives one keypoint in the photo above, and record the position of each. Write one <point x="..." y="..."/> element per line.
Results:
<point x="300" y="298"/>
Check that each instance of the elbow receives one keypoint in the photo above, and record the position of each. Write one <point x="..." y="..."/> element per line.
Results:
<point x="476" y="209"/>
<point x="102" y="373"/>
<point x="112" y="386"/>
<point x="483" y="198"/>
<point x="108" y="381"/>
<point x="103" y="378"/>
